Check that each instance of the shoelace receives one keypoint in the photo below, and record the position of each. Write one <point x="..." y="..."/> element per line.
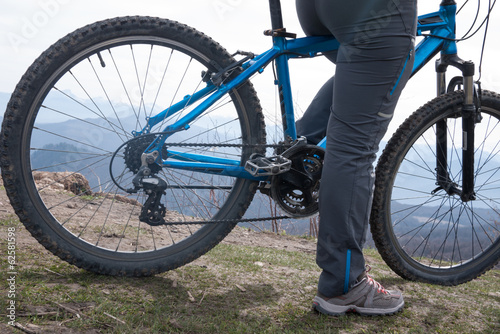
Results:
<point x="371" y="281"/>
<point x="378" y="286"/>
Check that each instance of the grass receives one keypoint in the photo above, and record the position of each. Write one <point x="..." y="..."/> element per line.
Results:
<point x="232" y="289"/>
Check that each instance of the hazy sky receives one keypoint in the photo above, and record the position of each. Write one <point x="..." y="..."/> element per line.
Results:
<point x="28" y="27"/>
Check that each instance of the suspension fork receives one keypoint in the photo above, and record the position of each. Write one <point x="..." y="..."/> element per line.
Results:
<point x="470" y="116"/>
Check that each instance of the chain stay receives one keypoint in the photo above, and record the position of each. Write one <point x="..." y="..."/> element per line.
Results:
<point x="225" y="221"/>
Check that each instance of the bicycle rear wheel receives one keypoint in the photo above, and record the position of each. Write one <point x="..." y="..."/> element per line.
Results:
<point x="80" y="101"/>
<point x="423" y="233"/>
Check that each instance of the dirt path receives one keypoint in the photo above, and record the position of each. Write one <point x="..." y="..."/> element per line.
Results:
<point x="239" y="236"/>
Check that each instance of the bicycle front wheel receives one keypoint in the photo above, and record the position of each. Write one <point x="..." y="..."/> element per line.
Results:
<point x="422" y="232"/>
<point x="67" y="153"/>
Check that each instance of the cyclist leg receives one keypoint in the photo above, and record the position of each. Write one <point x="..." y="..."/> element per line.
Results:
<point x="314" y="122"/>
<point x="373" y="64"/>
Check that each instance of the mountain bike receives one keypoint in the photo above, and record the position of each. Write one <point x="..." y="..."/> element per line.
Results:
<point x="134" y="145"/>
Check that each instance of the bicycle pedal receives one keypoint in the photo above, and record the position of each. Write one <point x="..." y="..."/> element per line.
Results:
<point x="259" y="165"/>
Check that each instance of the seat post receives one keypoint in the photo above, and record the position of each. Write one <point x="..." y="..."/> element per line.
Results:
<point x="276" y="16"/>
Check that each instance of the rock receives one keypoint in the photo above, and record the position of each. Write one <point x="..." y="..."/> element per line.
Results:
<point x="73" y="182"/>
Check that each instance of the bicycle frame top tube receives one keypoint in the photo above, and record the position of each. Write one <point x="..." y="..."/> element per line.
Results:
<point x="440" y="25"/>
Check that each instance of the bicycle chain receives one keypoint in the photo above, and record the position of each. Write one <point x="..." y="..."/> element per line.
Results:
<point x="283" y="146"/>
<point x="225" y="221"/>
<point x="230" y="145"/>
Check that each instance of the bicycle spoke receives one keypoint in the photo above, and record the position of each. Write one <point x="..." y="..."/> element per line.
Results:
<point x="93" y="124"/>
<point x="160" y="85"/>
<point x="71" y="140"/>
<point x="107" y="97"/>
<point x="100" y="113"/>
<point x="122" y="81"/>
<point x="436" y="229"/>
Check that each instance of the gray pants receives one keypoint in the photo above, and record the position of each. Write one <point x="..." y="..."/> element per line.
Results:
<point x="373" y="64"/>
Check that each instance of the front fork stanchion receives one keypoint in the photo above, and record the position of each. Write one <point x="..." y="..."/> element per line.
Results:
<point x="441" y="83"/>
<point x="442" y="177"/>
<point x="443" y="180"/>
<point x="469" y="117"/>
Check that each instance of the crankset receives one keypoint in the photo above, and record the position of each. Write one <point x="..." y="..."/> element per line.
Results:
<point x="297" y="191"/>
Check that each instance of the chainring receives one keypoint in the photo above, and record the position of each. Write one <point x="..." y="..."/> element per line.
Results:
<point x="297" y="191"/>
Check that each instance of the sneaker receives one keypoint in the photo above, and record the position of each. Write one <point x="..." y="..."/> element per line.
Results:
<point x="366" y="297"/>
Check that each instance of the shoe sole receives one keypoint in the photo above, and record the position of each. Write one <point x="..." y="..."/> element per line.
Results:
<point x="324" y="307"/>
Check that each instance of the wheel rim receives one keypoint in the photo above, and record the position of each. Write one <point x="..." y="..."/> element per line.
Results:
<point x="79" y="94"/>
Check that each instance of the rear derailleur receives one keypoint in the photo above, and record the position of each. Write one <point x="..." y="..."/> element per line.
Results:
<point x="153" y="211"/>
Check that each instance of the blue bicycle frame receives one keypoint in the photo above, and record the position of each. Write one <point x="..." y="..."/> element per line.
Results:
<point x="441" y="26"/>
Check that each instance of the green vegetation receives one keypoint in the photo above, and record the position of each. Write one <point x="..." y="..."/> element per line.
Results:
<point x="232" y="289"/>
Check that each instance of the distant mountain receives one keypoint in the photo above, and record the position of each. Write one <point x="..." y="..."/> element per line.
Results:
<point x="76" y="137"/>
